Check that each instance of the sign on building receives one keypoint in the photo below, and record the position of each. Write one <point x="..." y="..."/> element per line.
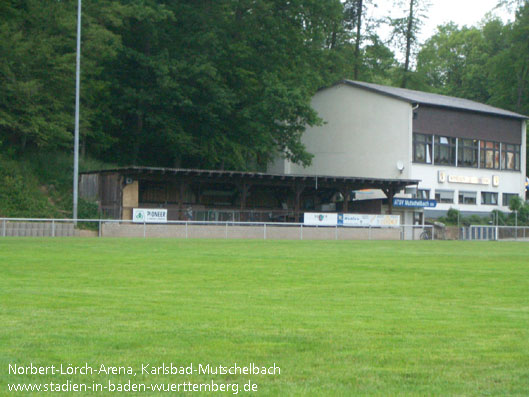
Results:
<point x="148" y="215"/>
<point x="413" y="203"/>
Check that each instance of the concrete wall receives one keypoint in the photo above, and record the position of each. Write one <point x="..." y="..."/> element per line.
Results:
<point x="272" y="232"/>
<point x="365" y="134"/>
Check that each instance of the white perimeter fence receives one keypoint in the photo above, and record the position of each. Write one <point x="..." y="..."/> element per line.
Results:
<point x="27" y="227"/>
<point x="497" y="233"/>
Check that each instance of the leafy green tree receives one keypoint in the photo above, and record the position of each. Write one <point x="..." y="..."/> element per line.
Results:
<point x="516" y="203"/>
<point x="405" y="31"/>
<point x="378" y="62"/>
<point x="34" y="65"/>
<point x="452" y="62"/>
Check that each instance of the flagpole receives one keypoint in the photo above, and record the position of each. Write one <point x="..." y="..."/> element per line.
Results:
<point x="76" y="137"/>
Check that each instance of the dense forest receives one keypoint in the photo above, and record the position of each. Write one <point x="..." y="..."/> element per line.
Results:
<point x="227" y="83"/>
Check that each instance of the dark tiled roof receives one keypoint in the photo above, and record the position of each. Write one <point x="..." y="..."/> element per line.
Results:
<point x="355" y="182"/>
<point x="425" y="98"/>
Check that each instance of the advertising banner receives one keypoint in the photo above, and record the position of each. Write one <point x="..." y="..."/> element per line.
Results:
<point x="362" y="220"/>
<point x="366" y="220"/>
<point x="320" y="219"/>
<point x="149" y="215"/>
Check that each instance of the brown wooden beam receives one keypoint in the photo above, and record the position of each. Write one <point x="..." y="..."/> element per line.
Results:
<point x="346" y="198"/>
<point x="298" y="190"/>
<point x="389" y="192"/>
<point x="181" y="200"/>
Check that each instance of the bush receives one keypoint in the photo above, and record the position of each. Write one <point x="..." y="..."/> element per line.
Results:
<point x="19" y="193"/>
<point x="39" y="185"/>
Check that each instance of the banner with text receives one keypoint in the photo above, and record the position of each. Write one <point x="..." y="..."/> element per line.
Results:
<point x="148" y="215"/>
<point x="368" y="220"/>
<point x="320" y="219"/>
<point x="363" y="220"/>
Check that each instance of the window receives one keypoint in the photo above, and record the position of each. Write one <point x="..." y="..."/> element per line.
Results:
<point x="423" y="194"/>
<point x="467" y="197"/>
<point x="489" y="198"/>
<point x="467" y="153"/>
<point x="510" y="157"/>
<point x="445" y="150"/>
<point x="490" y="155"/>
<point x="506" y="199"/>
<point x="411" y="190"/>
<point x="422" y="148"/>
<point x="444" y="196"/>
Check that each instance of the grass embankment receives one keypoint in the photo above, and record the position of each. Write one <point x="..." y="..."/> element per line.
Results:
<point x="338" y="318"/>
<point x="39" y="185"/>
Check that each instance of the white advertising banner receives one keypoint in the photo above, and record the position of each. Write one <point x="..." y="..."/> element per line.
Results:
<point x="149" y="215"/>
<point x="368" y="220"/>
<point x="320" y="219"/>
<point x="360" y="220"/>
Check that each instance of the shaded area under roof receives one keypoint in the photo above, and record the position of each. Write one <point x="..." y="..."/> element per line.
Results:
<point x="322" y="180"/>
<point x="426" y="98"/>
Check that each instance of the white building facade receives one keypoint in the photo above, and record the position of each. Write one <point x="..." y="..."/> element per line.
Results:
<point x="467" y="155"/>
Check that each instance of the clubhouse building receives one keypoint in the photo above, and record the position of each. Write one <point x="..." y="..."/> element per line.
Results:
<point x="466" y="155"/>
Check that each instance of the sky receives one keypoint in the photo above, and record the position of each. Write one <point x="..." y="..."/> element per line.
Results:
<point x="462" y="12"/>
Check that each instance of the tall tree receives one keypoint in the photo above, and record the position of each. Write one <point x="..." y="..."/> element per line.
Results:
<point x="34" y="65"/>
<point x="452" y="62"/>
<point x="218" y="84"/>
<point x="510" y="66"/>
<point x="405" y="31"/>
<point x="357" y="26"/>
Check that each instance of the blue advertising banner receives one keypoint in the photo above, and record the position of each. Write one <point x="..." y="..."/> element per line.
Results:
<point x="414" y="203"/>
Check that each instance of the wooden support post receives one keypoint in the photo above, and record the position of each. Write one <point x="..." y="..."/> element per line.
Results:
<point x="244" y="189"/>
<point x="389" y="192"/>
<point x="180" y="201"/>
<point x="298" y="190"/>
<point x="346" y="198"/>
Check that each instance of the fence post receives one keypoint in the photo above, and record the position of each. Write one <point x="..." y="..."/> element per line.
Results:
<point x="4" y="228"/>
<point x="53" y="228"/>
<point x="433" y="233"/>
<point x="264" y="231"/>
<point x="186" y="230"/>
<point x="144" y="228"/>
<point x="369" y="232"/>
<point x="99" y="231"/>
<point x="226" y="235"/>
<point x="301" y="232"/>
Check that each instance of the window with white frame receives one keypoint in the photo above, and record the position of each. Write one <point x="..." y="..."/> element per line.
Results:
<point x="467" y="153"/>
<point x="423" y="194"/>
<point x="489" y="155"/>
<point x="507" y="197"/>
<point x="422" y="148"/>
<point x="489" y="198"/>
<point x="444" y="196"/>
<point x="510" y="157"/>
<point x="467" y="197"/>
<point x="445" y="150"/>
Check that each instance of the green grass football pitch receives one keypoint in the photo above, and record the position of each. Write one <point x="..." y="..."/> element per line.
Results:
<point x="337" y="318"/>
